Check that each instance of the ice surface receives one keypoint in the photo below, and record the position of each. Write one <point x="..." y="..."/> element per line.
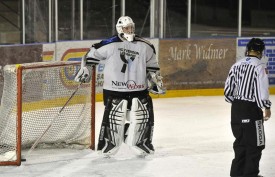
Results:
<point x="192" y="139"/>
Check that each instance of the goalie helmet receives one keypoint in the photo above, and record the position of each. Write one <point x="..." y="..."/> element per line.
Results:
<point x="126" y="27"/>
<point x="255" y="44"/>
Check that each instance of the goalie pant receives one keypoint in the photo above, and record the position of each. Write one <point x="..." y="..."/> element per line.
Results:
<point x="121" y="107"/>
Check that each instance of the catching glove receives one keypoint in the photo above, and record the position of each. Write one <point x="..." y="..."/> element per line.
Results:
<point x="83" y="74"/>
<point x="155" y="84"/>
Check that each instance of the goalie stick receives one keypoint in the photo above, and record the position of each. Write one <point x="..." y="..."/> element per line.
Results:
<point x="51" y="123"/>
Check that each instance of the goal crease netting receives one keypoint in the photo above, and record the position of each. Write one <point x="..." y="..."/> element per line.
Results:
<point x="33" y="94"/>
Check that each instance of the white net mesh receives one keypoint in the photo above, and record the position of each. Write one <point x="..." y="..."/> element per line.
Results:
<point x="44" y="92"/>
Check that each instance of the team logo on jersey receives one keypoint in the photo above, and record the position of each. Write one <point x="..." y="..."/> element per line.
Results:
<point x="127" y="56"/>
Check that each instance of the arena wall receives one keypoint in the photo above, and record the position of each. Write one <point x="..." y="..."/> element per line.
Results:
<point x="190" y="67"/>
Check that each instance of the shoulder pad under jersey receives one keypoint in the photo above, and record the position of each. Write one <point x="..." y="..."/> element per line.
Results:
<point x="107" y="41"/>
<point x="138" y="38"/>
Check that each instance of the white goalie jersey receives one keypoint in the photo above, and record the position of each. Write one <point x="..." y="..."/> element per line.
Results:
<point x="126" y="63"/>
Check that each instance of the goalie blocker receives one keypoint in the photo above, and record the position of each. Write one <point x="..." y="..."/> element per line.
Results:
<point x="128" y="118"/>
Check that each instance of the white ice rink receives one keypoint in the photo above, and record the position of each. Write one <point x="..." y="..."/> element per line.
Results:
<point x="192" y="139"/>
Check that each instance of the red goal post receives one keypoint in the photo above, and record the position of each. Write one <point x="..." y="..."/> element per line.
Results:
<point x="33" y="94"/>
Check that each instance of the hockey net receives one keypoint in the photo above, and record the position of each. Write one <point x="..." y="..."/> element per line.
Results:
<point x="33" y="95"/>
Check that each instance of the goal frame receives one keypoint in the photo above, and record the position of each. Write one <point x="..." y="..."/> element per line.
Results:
<point x="19" y="71"/>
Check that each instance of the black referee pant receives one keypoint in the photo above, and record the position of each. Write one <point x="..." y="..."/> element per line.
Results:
<point x="248" y="130"/>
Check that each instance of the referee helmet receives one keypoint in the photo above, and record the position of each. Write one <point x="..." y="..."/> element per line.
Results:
<point x="255" y="44"/>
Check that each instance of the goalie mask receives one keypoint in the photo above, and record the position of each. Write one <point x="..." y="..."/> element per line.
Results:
<point x="126" y="28"/>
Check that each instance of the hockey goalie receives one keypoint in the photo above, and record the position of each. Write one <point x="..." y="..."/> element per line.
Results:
<point x="131" y="71"/>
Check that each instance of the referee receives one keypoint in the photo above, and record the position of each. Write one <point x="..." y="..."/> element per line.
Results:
<point x="246" y="87"/>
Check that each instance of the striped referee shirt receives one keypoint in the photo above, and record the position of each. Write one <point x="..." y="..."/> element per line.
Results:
<point x="247" y="80"/>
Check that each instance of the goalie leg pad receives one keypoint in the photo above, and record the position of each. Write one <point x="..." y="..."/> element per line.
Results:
<point x="112" y="129"/>
<point x="140" y="131"/>
<point x="126" y="127"/>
